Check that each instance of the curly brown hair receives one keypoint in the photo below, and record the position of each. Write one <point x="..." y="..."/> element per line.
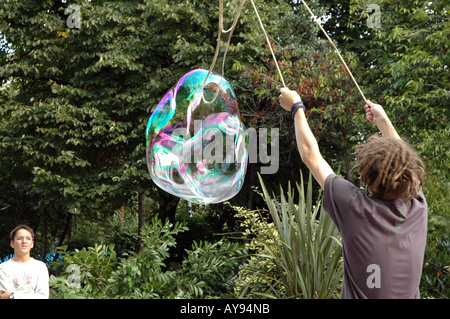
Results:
<point x="389" y="168"/>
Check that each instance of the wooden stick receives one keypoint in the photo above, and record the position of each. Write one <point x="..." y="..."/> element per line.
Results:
<point x="268" y="42"/>
<point x="337" y="51"/>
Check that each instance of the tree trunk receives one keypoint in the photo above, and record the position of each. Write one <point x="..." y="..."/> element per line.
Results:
<point x="348" y="167"/>
<point x="167" y="205"/>
<point x="66" y="229"/>
<point x="44" y="257"/>
<point x="141" y="219"/>
<point x="251" y="179"/>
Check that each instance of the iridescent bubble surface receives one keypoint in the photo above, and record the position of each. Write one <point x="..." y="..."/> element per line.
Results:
<point x="196" y="143"/>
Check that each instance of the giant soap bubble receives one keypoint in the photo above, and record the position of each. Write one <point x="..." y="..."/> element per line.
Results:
<point x="196" y="144"/>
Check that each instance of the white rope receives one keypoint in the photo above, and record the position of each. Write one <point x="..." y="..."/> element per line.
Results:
<point x="337" y="51"/>
<point x="268" y="42"/>
<point x="220" y="31"/>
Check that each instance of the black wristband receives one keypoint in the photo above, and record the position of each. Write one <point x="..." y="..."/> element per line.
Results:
<point x="295" y="107"/>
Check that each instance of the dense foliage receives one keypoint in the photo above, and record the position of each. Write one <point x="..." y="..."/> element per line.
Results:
<point x="210" y="269"/>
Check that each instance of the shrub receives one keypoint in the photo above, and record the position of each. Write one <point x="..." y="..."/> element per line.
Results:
<point x="85" y="273"/>
<point x="436" y="270"/>
<point x="209" y="270"/>
<point x="298" y="255"/>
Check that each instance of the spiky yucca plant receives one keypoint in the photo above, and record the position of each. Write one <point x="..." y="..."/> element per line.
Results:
<point x="308" y="249"/>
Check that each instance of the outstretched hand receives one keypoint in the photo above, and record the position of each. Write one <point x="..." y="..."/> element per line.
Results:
<point x="374" y="112"/>
<point x="288" y="98"/>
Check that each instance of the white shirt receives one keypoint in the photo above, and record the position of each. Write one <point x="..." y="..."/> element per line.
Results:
<point x="27" y="280"/>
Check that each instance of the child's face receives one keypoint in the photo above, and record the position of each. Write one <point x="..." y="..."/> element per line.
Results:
<point x="22" y="242"/>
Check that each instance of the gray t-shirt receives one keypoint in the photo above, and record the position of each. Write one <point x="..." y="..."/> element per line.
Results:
<point x="383" y="241"/>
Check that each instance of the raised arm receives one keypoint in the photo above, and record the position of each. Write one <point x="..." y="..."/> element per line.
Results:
<point x="306" y="142"/>
<point x="376" y="114"/>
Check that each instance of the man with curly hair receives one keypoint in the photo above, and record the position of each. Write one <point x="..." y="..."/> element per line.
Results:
<point x="383" y="228"/>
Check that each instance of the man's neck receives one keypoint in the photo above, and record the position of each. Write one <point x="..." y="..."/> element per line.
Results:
<point x="21" y="259"/>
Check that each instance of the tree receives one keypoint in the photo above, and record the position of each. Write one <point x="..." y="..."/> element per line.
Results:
<point x="78" y="97"/>
<point x="68" y="128"/>
<point x="309" y="66"/>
